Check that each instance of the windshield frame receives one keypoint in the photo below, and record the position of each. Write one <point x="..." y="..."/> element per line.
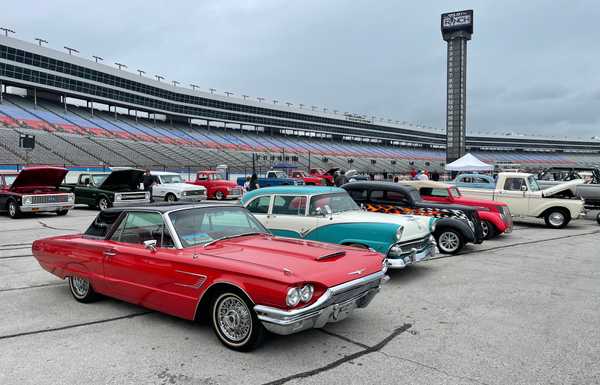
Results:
<point x="533" y="184"/>
<point x="176" y="236"/>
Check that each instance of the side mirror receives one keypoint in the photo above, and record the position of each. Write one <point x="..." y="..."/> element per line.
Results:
<point x="363" y="207"/>
<point x="524" y="188"/>
<point x="150" y="244"/>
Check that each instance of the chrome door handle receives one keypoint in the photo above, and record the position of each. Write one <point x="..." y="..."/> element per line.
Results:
<point x="110" y="253"/>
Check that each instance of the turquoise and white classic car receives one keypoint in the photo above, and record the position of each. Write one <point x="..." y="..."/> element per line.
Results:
<point x="328" y="214"/>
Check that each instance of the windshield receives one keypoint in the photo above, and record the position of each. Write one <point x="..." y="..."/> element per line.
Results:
<point x="533" y="184"/>
<point x="99" y="178"/>
<point x="199" y="226"/>
<point x="337" y="202"/>
<point x="166" y="179"/>
<point x="279" y="174"/>
<point x="9" y="179"/>
<point x="454" y="192"/>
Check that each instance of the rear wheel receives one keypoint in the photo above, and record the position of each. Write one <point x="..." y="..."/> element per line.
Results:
<point x="234" y="321"/>
<point x="82" y="290"/>
<point x="557" y="218"/>
<point x="103" y="203"/>
<point x="219" y="195"/>
<point x="14" y="211"/>
<point x="450" y="241"/>
<point x="489" y="230"/>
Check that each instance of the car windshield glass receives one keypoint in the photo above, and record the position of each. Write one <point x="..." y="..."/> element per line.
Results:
<point x="337" y="202"/>
<point x="99" y="178"/>
<point x="454" y="191"/>
<point x="533" y="184"/>
<point x="171" y="179"/>
<point x="199" y="226"/>
<point x="9" y="179"/>
<point x="279" y="174"/>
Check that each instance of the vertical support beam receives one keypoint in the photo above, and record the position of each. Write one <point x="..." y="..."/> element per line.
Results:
<point x="1" y="92"/>
<point x="92" y="105"/>
<point x="35" y="97"/>
<point x="65" y="102"/>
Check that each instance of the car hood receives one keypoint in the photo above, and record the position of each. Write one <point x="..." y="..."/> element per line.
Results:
<point x="415" y="226"/>
<point x="561" y="187"/>
<point x="39" y="177"/>
<point x="120" y="178"/>
<point x="304" y="260"/>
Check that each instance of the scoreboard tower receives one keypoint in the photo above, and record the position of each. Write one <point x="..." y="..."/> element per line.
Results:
<point x="457" y="28"/>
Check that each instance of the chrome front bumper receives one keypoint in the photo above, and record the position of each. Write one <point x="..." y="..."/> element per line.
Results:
<point x="402" y="260"/>
<point x="325" y="309"/>
<point x="47" y="207"/>
<point x="193" y="198"/>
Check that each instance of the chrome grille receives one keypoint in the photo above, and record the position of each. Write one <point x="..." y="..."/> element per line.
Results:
<point x="43" y="199"/>
<point x="133" y="196"/>
<point x="195" y="192"/>
<point x="418" y="244"/>
<point x="236" y="191"/>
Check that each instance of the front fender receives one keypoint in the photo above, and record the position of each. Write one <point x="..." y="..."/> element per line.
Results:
<point x="378" y="236"/>
<point x="458" y="225"/>
<point x="494" y="218"/>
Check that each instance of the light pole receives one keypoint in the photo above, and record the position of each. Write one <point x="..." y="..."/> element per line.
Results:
<point x="301" y="105"/>
<point x="260" y="99"/>
<point x="7" y="30"/>
<point x="275" y="101"/>
<point x="212" y="90"/>
<point x="228" y="93"/>
<point x="175" y="83"/>
<point x="121" y="66"/>
<point x="71" y="50"/>
<point x="40" y="41"/>
<point x="194" y="87"/>
<point x="289" y="104"/>
<point x="245" y="96"/>
<point x="159" y="78"/>
<point x="335" y="112"/>
<point x="141" y="72"/>
<point x="313" y="107"/>
<point x="97" y="58"/>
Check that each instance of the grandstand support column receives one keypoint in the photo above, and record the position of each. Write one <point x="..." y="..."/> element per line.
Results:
<point x="65" y="102"/>
<point x="1" y="92"/>
<point x="92" y="108"/>
<point x="35" y="97"/>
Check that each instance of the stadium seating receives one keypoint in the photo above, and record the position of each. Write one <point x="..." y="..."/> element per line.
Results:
<point x="78" y="136"/>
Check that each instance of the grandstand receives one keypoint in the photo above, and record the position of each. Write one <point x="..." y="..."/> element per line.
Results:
<point x="88" y="114"/>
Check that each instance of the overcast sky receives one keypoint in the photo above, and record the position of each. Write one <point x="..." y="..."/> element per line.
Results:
<point x="533" y="65"/>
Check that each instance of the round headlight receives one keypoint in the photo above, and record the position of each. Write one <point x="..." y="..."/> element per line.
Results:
<point x="399" y="232"/>
<point x="306" y="293"/>
<point x="117" y="197"/>
<point x="293" y="297"/>
<point x="384" y="265"/>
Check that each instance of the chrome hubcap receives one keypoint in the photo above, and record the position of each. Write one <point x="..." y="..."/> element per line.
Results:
<point x="448" y="241"/>
<point x="485" y="229"/>
<point x="12" y="209"/>
<point x="219" y="195"/>
<point x="80" y="286"/>
<point x="234" y="319"/>
<point x="171" y="198"/>
<point x="103" y="204"/>
<point x="556" y="219"/>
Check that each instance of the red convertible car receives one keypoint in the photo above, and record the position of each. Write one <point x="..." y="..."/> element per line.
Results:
<point x="214" y="261"/>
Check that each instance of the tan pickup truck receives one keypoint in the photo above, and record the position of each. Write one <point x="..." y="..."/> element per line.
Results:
<point x="525" y="198"/>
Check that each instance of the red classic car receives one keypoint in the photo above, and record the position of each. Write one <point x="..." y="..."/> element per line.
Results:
<point x="34" y="190"/>
<point x="214" y="261"/>
<point x="217" y="187"/>
<point x="495" y="216"/>
<point x="328" y="175"/>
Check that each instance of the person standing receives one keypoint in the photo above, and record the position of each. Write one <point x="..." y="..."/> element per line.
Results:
<point x="253" y="184"/>
<point x="148" y="183"/>
<point x="340" y="179"/>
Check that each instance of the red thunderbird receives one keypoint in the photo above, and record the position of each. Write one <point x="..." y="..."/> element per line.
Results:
<point x="214" y="261"/>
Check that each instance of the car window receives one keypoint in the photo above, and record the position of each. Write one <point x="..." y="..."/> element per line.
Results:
<point x="358" y="195"/>
<point x="260" y="205"/>
<point x="103" y="223"/>
<point x="99" y="178"/>
<point x="514" y="184"/>
<point x="376" y="195"/>
<point x="396" y="197"/>
<point x="480" y="180"/>
<point x="139" y="227"/>
<point x="337" y="202"/>
<point x="289" y="205"/>
<point x="434" y="192"/>
<point x="9" y="179"/>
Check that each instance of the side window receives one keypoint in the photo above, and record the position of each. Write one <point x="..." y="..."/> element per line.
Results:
<point x="85" y="179"/>
<point x="514" y="184"/>
<point x="376" y="196"/>
<point x="434" y="192"/>
<point x="397" y="198"/>
<point x="289" y="205"/>
<point x="480" y="180"/>
<point x="359" y="196"/>
<point x="202" y="177"/>
<point x="260" y="205"/>
<point x="139" y="227"/>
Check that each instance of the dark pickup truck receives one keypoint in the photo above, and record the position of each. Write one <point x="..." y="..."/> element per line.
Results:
<point x="456" y="225"/>
<point x="104" y="190"/>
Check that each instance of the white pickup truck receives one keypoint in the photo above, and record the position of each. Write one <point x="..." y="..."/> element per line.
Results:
<point x="171" y="187"/>
<point x="525" y="198"/>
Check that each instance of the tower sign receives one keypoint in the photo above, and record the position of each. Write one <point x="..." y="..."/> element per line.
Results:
<point x="457" y="28"/>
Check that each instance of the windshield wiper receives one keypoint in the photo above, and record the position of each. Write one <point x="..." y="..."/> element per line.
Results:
<point x="231" y="236"/>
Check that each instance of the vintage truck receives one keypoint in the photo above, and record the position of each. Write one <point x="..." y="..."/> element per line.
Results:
<point x="103" y="190"/>
<point x="526" y="199"/>
<point x="217" y="187"/>
<point x="34" y="190"/>
<point x="293" y="172"/>
<point x="474" y="181"/>
<point x="274" y="178"/>
<point x="586" y="182"/>
<point x="169" y="186"/>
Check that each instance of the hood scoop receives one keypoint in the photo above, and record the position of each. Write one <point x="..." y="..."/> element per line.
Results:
<point x="331" y="255"/>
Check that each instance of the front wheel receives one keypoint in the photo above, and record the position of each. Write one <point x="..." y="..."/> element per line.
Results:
<point x="450" y="241"/>
<point x="598" y="218"/>
<point x="171" y="198"/>
<point x="488" y="229"/>
<point x="82" y="290"/>
<point x="219" y="195"/>
<point x="557" y="218"/>
<point x="14" y="211"/>
<point x="235" y="323"/>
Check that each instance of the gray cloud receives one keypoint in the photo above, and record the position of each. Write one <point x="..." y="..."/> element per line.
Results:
<point x="532" y="65"/>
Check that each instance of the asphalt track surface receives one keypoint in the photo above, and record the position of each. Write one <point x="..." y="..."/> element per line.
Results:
<point x="521" y="309"/>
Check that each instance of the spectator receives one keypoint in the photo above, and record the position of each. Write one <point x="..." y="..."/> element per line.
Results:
<point x="340" y="179"/>
<point x="413" y="174"/>
<point x="422" y="176"/>
<point x="247" y="184"/>
<point x="253" y="183"/>
<point x="148" y="183"/>
<point x="396" y="179"/>
<point x="435" y="175"/>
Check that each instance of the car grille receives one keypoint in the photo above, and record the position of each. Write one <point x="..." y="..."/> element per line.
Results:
<point x="418" y="244"/>
<point x="42" y="199"/>
<point x="235" y="191"/>
<point x="353" y="292"/>
<point x="133" y="196"/>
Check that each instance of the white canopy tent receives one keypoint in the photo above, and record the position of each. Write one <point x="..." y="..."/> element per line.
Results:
<point x="468" y="163"/>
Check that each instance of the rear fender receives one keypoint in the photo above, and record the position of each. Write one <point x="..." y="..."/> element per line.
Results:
<point x="455" y="224"/>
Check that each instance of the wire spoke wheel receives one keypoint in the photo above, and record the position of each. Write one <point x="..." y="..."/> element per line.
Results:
<point x="234" y="318"/>
<point x="79" y="286"/>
